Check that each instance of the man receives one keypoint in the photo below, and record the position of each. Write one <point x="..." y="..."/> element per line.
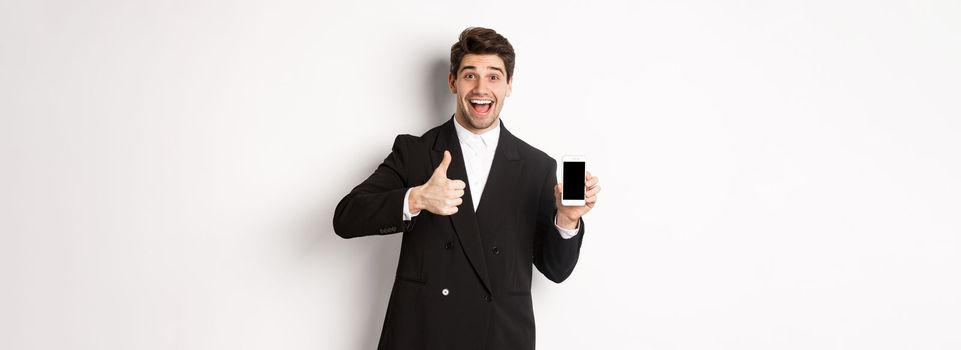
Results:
<point x="464" y="276"/>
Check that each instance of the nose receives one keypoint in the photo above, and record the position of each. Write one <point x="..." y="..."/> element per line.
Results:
<point x="481" y="86"/>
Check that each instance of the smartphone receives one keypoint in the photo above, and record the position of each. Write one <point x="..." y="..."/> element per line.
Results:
<point x="572" y="194"/>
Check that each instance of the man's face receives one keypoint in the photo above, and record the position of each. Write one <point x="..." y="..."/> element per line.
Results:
<point x="481" y="86"/>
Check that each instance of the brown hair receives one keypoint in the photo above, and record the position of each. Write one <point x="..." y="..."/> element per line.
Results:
<point x="480" y="41"/>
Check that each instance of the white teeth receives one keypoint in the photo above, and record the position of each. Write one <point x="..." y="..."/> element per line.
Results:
<point x="481" y="102"/>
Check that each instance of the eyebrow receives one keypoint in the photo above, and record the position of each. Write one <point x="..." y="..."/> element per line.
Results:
<point x="488" y="67"/>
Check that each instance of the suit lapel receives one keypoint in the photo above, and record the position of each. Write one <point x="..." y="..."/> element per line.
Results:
<point x="464" y="221"/>
<point x="502" y="182"/>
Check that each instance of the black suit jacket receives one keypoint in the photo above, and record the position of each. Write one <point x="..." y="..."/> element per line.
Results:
<point x="463" y="281"/>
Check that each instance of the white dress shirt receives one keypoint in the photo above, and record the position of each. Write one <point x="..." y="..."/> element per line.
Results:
<point x="478" y="151"/>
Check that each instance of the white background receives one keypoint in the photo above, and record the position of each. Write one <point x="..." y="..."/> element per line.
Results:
<point x="777" y="175"/>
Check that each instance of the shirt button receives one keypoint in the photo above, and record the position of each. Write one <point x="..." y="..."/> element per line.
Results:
<point x="444" y="292"/>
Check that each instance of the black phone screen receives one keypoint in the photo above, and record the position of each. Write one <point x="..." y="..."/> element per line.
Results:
<point x="573" y="180"/>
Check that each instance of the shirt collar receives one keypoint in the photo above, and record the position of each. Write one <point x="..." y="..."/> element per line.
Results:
<point x="490" y="137"/>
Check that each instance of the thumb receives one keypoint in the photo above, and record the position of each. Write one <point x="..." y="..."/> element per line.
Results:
<point x="444" y="164"/>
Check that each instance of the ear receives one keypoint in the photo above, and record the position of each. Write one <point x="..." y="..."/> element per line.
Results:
<point x="450" y="83"/>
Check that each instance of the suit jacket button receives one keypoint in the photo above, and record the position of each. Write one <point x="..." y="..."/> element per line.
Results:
<point x="444" y="292"/>
<point x="496" y="250"/>
<point x="488" y="298"/>
<point x="448" y="245"/>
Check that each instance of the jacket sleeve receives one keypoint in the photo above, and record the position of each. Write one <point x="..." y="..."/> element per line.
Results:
<point x="376" y="206"/>
<point x="554" y="256"/>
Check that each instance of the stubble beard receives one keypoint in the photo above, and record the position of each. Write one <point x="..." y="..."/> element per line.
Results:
<point x="477" y="124"/>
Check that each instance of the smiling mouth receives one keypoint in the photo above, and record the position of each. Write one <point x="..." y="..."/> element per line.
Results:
<point x="481" y="106"/>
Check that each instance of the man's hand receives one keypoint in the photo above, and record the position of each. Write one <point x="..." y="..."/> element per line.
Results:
<point x="439" y="195"/>
<point x="568" y="217"/>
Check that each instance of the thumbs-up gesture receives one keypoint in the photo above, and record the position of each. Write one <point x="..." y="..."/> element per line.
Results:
<point x="439" y="195"/>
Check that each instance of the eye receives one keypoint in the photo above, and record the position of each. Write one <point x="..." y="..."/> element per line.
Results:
<point x="469" y="76"/>
<point x="495" y="77"/>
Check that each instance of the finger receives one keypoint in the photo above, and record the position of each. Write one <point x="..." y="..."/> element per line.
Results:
<point x="452" y="211"/>
<point x="590" y="200"/>
<point x="593" y="181"/>
<point x="457" y="193"/>
<point x="444" y="164"/>
<point x="593" y="191"/>
<point x="455" y="202"/>
<point x="457" y="185"/>
<point x="588" y="176"/>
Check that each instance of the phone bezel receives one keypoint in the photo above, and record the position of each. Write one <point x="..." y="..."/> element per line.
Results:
<point x="573" y="159"/>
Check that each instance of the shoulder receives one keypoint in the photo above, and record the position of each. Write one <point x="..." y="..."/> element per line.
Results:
<point x="535" y="156"/>
<point x="407" y="142"/>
